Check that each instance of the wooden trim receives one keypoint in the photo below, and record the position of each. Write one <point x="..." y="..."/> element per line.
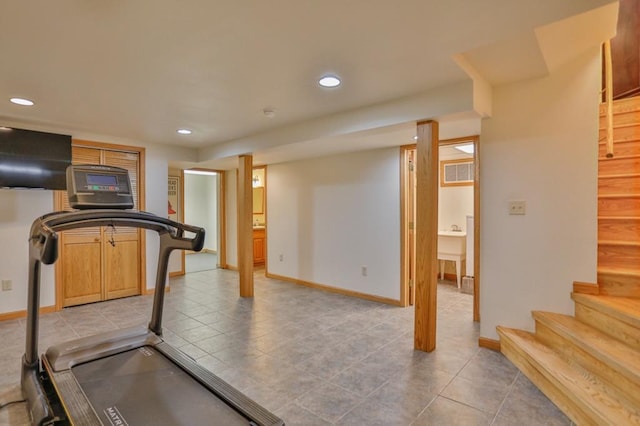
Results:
<point x="336" y="290"/>
<point x="492" y="344"/>
<point x="476" y="228"/>
<point x="23" y="314"/>
<point x="172" y="275"/>
<point x="222" y="220"/>
<point x="426" y="283"/>
<point x="245" y="225"/>
<point x="404" y="225"/>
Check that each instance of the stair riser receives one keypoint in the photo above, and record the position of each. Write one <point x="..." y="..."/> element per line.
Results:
<point x="620" y="134"/>
<point x="619" y="206"/>
<point x="621" y="119"/>
<point x="618" y="166"/>
<point x="549" y="388"/>
<point x="627" y="229"/>
<point x="622" y="146"/>
<point x="619" y="256"/>
<point x="619" y="185"/>
<point x="619" y="285"/>
<point x="625" y="387"/>
<point x="611" y="326"/>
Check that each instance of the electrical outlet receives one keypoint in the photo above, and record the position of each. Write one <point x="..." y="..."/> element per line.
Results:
<point x="364" y="271"/>
<point x="7" y="285"/>
<point x="281" y="257"/>
<point x="517" y="207"/>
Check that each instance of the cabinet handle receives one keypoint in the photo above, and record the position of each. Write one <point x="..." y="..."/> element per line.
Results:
<point x="96" y="240"/>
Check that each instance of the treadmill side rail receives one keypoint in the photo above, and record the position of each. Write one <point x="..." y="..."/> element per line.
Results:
<point x="76" y="405"/>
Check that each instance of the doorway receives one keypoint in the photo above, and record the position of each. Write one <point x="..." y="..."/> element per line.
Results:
<point x="202" y="207"/>
<point x="259" y="217"/>
<point x="459" y="218"/>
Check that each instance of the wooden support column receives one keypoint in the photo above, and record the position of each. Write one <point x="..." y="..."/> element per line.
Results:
<point x="245" y="227"/>
<point x="426" y="283"/>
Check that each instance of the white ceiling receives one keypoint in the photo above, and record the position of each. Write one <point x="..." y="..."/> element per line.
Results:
<point x="139" y="70"/>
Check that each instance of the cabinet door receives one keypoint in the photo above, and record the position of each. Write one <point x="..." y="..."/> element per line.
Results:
<point x="258" y="247"/>
<point x="100" y="263"/>
<point x="81" y="254"/>
<point x="122" y="245"/>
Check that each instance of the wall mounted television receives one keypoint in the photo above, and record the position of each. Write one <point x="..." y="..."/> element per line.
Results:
<point x="31" y="159"/>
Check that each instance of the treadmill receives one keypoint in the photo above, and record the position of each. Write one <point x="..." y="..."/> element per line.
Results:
<point x="128" y="376"/>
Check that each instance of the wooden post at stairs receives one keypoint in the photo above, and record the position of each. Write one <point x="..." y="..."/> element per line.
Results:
<point x="426" y="282"/>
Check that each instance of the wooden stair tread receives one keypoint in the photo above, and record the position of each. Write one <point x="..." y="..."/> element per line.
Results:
<point x="619" y="218"/>
<point x="583" y="389"/>
<point x="619" y="243"/>
<point x="619" y="271"/>
<point x="620" y="157"/>
<point x="625" y="309"/>
<point x="605" y="348"/>
<point x="611" y="196"/>
<point x="619" y="175"/>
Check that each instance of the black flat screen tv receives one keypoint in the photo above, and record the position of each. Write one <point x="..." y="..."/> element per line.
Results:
<point x="30" y="159"/>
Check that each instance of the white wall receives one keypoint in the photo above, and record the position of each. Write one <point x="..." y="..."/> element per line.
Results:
<point x="200" y="205"/>
<point x="18" y="209"/>
<point x="231" y="214"/>
<point x="540" y="146"/>
<point x="330" y="216"/>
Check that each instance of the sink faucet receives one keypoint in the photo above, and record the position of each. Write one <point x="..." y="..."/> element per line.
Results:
<point x="455" y="228"/>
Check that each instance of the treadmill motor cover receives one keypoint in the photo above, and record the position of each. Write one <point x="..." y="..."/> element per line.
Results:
<point x="143" y="387"/>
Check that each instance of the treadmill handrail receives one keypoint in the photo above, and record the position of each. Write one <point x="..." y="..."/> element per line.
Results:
<point x="43" y="229"/>
<point x="43" y="248"/>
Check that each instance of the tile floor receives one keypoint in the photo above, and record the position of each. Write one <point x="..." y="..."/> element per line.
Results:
<point x="311" y="357"/>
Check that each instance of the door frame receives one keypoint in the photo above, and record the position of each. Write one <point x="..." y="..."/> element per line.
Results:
<point x="221" y="225"/>
<point x="57" y="199"/>
<point x="264" y="213"/>
<point x="405" y="206"/>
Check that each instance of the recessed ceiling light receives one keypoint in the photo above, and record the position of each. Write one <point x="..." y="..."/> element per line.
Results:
<point x="21" y="101"/>
<point x="184" y="131"/>
<point x="329" y="81"/>
<point x="467" y="148"/>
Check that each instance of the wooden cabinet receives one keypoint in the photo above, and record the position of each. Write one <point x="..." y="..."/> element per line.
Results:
<point x="100" y="263"/>
<point x="258" y="247"/>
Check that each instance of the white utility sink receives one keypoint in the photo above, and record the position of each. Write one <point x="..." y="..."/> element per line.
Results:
<point x="452" y="245"/>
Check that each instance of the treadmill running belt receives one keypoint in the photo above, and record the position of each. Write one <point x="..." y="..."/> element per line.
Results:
<point x="143" y="387"/>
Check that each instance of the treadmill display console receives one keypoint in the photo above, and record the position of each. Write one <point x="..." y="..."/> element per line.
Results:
<point x="98" y="187"/>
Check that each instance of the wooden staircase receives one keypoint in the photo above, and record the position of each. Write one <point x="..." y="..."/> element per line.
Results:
<point x="591" y="373"/>
<point x="619" y="202"/>
<point x="589" y="364"/>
